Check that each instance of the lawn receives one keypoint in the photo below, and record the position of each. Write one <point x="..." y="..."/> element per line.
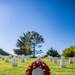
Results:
<point x="7" y="69"/>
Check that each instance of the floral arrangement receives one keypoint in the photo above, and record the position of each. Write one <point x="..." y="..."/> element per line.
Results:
<point x="37" y="64"/>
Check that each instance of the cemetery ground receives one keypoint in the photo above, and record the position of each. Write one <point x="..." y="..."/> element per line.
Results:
<point x="7" y="69"/>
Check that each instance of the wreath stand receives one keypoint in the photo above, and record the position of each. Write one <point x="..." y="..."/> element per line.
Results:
<point x="38" y="64"/>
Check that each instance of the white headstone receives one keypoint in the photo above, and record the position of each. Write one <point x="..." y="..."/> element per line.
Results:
<point x="27" y="57"/>
<point x="71" y="60"/>
<point x="14" y="61"/>
<point x="63" y="63"/>
<point x="50" y="57"/>
<point x="6" y="59"/>
<point x="10" y="56"/>
<point x="19" y="56"/>
<point x="39" y="59"/>
<point x="55" y="59"/>
<point x="3" y="57"/>
<point x="37" y="71"/>
<point x="22" y="58"/>
<point x="62" y="57"/>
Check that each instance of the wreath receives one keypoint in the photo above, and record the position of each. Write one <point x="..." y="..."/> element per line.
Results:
<point x="37" y="64"/>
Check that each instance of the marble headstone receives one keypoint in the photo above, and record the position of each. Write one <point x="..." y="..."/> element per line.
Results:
<point x="10" y="56"/>
<point x="71" y="60"/>
<point x="22" y="58"/>
<point x="27" y="57"/>
<point x="38" y="59"/>
<point x="6" y="59"/>
<point x="50" y="57"/>
<point x="62" y="57"/>
<point x="37" y="71"/>
<point x="63" y="63"/>
<point x="55" y="60"/>
<point x="3" y="57"/>
<point x="19" y="56"/>
<point x="14" y="61"/>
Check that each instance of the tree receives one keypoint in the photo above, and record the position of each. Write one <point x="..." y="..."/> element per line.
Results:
<point x="52" y="52"/>
<point x="30" y="40"/>
<point x="69" y="52"/>
<point x="2" y="52"/>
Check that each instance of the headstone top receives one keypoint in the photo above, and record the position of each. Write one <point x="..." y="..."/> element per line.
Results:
<point x="37" y="71"/>
<point x="39" y="59"/>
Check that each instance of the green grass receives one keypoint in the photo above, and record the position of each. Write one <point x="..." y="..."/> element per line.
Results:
<point x="7" y="69"/>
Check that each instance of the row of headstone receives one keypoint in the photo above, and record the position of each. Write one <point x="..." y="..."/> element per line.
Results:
<point x="62" y="60"/>
<point x="20" y="56"/>
<point x="14" y="58"/>
<point x="3" y="56"/>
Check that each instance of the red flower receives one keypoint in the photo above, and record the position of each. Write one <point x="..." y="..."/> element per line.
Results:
<point x="36" y="65"/>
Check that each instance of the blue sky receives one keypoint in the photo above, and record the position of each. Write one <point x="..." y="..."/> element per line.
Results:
<point x="53" y="19"/>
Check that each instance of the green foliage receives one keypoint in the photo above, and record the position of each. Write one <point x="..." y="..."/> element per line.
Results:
<point x="20" y="51"/>
<point x="53" y="53"/>
<point x="28" y="49"/>
<point x="28" y="41"/>
<point x="69" y="52"/>
<point x="2" y="52"/>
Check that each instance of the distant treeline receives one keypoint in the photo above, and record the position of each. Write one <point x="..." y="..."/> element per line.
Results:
<point x="2" y="52"/>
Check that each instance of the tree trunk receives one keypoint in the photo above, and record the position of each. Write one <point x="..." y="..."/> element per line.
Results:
<point x="34" y="52"/>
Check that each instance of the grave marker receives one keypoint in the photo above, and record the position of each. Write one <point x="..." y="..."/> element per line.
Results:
<point x="6" y="59"/>
<point x="22" y="58"/>
<point x="14" y="61"/>
<point x="3" y="57"/>
<point x="63" y="63"/>
<point x="55" y="59"/>
<point x="71" y="60"/>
